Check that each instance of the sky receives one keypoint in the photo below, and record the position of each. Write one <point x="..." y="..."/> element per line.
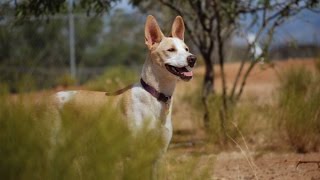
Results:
<point x="305" y="28"/>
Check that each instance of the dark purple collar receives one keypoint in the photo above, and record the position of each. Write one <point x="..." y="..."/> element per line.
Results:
<point x="158" y="95"/>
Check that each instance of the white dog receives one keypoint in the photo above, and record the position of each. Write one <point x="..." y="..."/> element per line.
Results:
<point x="168" y="61"/>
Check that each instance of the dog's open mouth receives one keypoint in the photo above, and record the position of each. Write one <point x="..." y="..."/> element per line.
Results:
<point x="185" y="73"/>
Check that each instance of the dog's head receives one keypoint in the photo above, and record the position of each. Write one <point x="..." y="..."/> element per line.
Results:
<point x="171" y="52"/>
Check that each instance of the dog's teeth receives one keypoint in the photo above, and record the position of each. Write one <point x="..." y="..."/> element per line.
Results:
<point x="188" y="68"/>
<point x="174" y="69"/>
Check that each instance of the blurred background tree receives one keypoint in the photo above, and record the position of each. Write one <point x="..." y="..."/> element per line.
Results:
<point x="36" y="52"/>
<point x="37" y="8"/>
<point x="35" y="48"/>
<point x="211" y="25"/>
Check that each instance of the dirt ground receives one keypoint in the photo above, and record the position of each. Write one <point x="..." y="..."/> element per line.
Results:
<point x="281" y="166"/>
<point x="267" y="165"/>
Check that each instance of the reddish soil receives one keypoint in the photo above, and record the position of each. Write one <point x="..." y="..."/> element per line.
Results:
<point x="282" y="166"/>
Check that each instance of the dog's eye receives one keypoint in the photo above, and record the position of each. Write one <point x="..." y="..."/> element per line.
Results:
<point x="187" y="49"/>
<point x="171" y="50"/>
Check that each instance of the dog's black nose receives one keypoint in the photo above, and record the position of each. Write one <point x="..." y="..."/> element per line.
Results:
<point x="191" y="60"/>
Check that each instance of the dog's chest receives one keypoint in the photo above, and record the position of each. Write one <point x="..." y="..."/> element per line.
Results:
<point x="147" y="111"/>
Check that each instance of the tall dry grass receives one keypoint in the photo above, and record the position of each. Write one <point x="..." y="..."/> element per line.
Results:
<point x="24" y="141"/>
<point x="237" y="122"/>
<point x="112" y="79"/>
<point x="298" y="109"/>
<point x="81" y="143"/>
<point x="39" y="142"/>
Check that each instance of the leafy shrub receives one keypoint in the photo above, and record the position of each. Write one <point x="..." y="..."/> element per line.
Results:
<point x="39" y="142"/>
<point x="234" y="126"/>
<point x="23" y="140"/>
<point x="113" y="79"/>
<point x="317" y="64"/>
<point x="84" y="143"/>
<point x="299" y="109"/>
<point x="26" y="83"/>
<point x="190" y="165"/>
<point x="66" y="80"/>
<point x="4" y="89"/>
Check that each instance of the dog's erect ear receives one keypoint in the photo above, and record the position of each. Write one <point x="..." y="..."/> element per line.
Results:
<point x="178" y="28"/>
<point x="152" y="32"/>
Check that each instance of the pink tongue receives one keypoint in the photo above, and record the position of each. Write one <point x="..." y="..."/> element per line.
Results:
<point x="189" y="73"/>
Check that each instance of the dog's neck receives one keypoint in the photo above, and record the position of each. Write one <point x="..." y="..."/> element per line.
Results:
<point x="158" y="77"/>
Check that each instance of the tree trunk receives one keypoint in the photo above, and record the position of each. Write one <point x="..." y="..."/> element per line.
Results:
<point x="221" y="56"/>
<point x="207" y="88"/>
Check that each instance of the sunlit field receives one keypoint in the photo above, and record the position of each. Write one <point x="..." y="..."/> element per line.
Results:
<point x="270" y="125"/>
<point x="246" y="105"/>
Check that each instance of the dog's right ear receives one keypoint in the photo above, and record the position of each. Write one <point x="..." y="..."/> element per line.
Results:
<point x="152" y="32"/>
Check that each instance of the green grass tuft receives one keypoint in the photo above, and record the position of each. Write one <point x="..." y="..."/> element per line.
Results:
<point x="23" y="140"/>
<point x="299" y="109"/>
<point x="39" y="142"/>
<point x="114" y="78"/>
<point x="236" y="125"/>
<point x="84" y="143"/>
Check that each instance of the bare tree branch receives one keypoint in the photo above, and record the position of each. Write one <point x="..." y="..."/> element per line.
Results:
<point x="211" y="24"/>
<point x="193" y="37"/>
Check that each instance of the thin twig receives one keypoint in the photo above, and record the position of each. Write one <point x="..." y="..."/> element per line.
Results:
<point x="249" y="160"/>
<point x="308" y="162"/>
<point x="246" y="144"/>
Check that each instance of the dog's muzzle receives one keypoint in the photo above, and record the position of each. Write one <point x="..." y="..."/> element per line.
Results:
<point x="185" y="73"/>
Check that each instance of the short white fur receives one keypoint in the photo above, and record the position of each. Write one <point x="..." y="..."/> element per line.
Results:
<point x="65" y="96"/>
<point x="179" y="58"/>
<point x="143" y="108"/>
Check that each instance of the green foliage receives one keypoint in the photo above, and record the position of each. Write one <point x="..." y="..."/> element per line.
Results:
<point x="299" y="109"/>
<point x="38" y="142"/>
<point x="23" y="140"/>
<point x="121" y="43"/>
<point x="25" y="83"/>
<point x="33" y="44"/>
<point x="237" y="122"/>
<point x="31" y="51"/>
<point x="192" y="165"/>
<point x="40" y="49"/>
<point x="4" y="89"/>
<point x="66" y="80"/>
<point x="113" y="79"/>
<point x="48" y="7"/>
<point x="90" y="144"/>
<point x="317" y="64"/>
<point x="234" y="126"/>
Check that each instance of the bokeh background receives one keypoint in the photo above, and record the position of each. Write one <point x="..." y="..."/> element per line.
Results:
<point x="252" y="110"/>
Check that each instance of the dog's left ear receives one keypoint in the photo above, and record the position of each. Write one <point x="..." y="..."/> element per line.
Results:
<point x="178" y="28"/>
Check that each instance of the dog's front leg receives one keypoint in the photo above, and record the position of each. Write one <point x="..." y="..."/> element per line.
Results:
<point x="159" y="162"/>
<point x="156" y="167"/>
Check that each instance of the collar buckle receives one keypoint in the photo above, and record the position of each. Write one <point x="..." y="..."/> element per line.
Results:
<point x="158" y="95"/>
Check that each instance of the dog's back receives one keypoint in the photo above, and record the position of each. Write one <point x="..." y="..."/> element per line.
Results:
<point x="92" y="100"/>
